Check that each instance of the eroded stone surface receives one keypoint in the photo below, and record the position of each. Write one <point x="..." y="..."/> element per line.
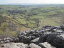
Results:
<point x="14" y="45"/>
<point x="47" y="37"/>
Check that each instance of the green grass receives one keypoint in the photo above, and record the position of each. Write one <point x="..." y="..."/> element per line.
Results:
<point x="32" y="16"/>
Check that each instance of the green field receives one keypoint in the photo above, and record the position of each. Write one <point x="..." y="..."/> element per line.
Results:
<point x="18" y="18"/>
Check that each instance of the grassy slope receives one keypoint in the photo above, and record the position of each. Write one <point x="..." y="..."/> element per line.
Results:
<point x="26" y="18"/>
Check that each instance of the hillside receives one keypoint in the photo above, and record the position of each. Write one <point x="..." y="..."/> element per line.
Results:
<point x="18" y="18"/>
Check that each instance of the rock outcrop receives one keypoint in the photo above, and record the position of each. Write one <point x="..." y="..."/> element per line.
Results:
<point x="47" y="37"/>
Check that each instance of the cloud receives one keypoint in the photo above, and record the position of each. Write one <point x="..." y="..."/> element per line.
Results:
<point x="33" y="1"/>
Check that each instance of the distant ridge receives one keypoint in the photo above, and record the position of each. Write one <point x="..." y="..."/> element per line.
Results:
<point x="28" y="4"/>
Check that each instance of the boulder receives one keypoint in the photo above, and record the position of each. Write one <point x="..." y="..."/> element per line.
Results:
<point x="32" y="45"/>
<point x="46" y="45"/>
<point x="56" y="40"/>
<point x="62" y="27"/>
<point x="35" y="40"/>
<point x="14" y="45"/>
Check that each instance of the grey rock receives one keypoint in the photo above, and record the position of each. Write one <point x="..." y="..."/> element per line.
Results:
<point x="14" y="45"/>
<point x="56" y="40"/>
<point x="35" y="40"/>
<point x="32" y="45"/>
<point x="46" y="45"/>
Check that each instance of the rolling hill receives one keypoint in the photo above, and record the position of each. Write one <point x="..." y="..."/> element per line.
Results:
<point x="18" y="18"/>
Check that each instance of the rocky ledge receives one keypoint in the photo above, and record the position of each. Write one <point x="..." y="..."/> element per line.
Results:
<point x="47" y="37"/>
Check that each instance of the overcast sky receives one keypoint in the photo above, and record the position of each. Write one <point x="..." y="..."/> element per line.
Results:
<point x="32" y="1"/>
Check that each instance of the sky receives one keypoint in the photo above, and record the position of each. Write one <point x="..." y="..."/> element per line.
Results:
<point x="32" y="1"/>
